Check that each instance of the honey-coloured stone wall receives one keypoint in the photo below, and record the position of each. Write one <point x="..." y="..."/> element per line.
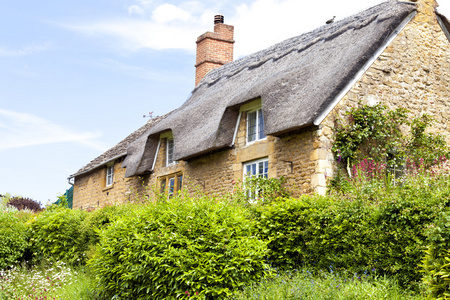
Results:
<point x="412" y="72"/>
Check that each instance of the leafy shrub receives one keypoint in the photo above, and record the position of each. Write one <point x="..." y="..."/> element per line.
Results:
<point x="202" y="248"/>
<point x="436" y="263"/>
<point x="384" y="230"/>
<point x="100" y="218"/>
<point x="58" y="234"/>
<point x="25" y="203"/>
<point x="259" y="190"/>
<point x="13" y="239"/>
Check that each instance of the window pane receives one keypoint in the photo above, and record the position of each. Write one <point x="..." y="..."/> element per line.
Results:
<point x="171" y="186"/>
<point x="266" y="168"/>
<point x="169" y="151"/>
<point x="253" y="169"/>
<point x="180" y="182"/>
<point x="251" y="126"/>
<point x="248" y="170"/>
<point x="109" y="175"/>
<point x="260" y="168"/>
<point x="261" y="134"/>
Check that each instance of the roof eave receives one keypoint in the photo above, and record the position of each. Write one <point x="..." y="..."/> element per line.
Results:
<point x="444" y="23"/>
<point x="98" y="166"/>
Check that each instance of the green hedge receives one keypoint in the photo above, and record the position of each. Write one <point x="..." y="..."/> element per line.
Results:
<point x="100" y="218"/>
<point x="58" y="234"/>
<point x="385" y="232"/>
<point x="202" y="248"/>
<point x="13" y="239"/>
<point x="436" y="263"/>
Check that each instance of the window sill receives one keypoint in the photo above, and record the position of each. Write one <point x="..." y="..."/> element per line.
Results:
<point x="255" y="142"/>
<point x="109" y="187"/>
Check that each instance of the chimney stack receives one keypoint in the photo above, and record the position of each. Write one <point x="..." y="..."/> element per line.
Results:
<point x="214" y="49"/>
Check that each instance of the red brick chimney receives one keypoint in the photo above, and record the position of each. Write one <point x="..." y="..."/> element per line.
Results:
<point x="214" y="49"/>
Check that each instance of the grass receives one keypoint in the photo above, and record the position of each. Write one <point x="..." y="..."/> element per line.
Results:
<point x="46" y="281"/>
<point x="60" y="281"/>
<point x="325" y="285"/>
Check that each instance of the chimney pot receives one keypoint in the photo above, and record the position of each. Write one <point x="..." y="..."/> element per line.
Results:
<point x="218" y="19"/>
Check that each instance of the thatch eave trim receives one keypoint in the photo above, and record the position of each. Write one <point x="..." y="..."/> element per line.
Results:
<point x="445" y="24"/>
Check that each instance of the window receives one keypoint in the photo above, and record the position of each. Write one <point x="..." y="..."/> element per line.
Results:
<point x="258" y="168"/>
<point x="169" y="152"/>
<point x="109" y="175"/>
<point x="173" y="183"/>
<point x="255" y="126"/>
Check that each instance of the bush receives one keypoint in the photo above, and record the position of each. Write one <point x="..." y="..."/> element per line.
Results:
<point x="436" y="263"/>
<point x="25" y="203"/>
<point x="203" y="248"/>
<point x="383" y="229"/>
<point x="58" y="234"/>
<point x="99" y="219"/>
<point x="13" y="239"/>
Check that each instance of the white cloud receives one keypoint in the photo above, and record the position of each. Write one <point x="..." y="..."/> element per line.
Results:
<point x="134" y="35"/>
<point x="166" y="13"/>
<point x="262" y="23"/>
<point x="19" y="130"/>
<point x="27" y="50"/>
<point x="136" y="10"/>
<point x="258" y="23"/>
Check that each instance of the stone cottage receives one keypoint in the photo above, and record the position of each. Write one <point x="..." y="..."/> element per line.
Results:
<point x="272" y="113"/>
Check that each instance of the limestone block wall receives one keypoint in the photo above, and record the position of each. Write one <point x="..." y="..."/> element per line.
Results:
<point x="90" y="190"/>
<point x="413" y="73"/>
<point x="295" y="159"/>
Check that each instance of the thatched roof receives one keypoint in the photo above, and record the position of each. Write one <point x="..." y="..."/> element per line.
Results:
<point x="295" y="79"/>
<point x="119" y="150"/>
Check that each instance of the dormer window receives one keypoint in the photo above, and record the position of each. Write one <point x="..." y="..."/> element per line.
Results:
<point x="169" y="152"/>
<point x="255" y="126"/>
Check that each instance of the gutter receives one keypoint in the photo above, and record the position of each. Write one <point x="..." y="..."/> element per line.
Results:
<point x="363" y="70"/>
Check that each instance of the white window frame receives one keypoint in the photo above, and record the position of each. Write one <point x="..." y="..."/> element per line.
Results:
<point x="110" y="175"/>
<point x="259" y="133"/>
<point x="257" y="163"/>
<point x="265" y="173"/>
<point x="169" y="152"/>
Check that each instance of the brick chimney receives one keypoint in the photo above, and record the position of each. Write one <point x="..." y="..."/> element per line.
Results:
<point x="214" y="49"/>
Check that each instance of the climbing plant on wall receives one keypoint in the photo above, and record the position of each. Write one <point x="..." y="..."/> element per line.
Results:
<point x="386" y="136"/>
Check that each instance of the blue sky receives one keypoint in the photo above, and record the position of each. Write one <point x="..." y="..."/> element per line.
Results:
<point x="76" y="77"/>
